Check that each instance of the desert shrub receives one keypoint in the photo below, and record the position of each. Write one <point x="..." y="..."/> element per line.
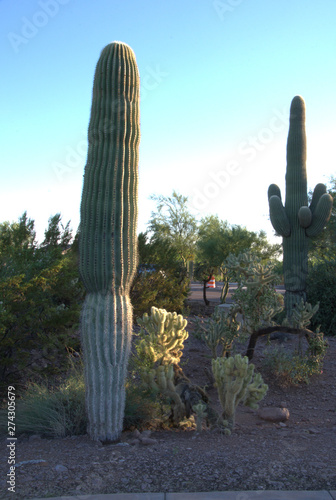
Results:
<point x="321" y="287"/>
<point x="58" y="410"/>
<point x="39" y="319"/>
<point x="142" y="408"/>
<point x="53" y="411"/>
<point x="294" y="368"/>
<point x="167" y="289"/>
<point x="40" y="297"/>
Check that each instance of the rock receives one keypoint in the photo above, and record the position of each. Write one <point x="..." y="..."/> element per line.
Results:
<point x="274" y="414"/>
<point x="314" y="431"/>
<point x="61" y="468"/>
<point x="136" y="434"/>
<point x="148" y="441"/>
<point x="145" y="434"/>
<point x="134" y="442"/>
<point x="34" y="437"/>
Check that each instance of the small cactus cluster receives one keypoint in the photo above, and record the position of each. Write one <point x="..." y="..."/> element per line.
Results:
<point x="295" y="221"/>
<point x="236" y="382"/>
<point x="201" y="414"/>
<point x="218" y="332"/>
<point x="160" y="346"/>
<point x="302" y="314"/>
<point x="165" y="335"/>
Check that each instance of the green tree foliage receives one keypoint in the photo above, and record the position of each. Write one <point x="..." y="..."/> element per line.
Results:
<point x="40" y="295"/>
<point x="157" y="253"/>
<point x="217" y="240"/>
<point x="173" y="224"/>
<point x="17" y="246"/>
<point x="166" y="289"/>
<point x="321" y="288"/>
<point x="323" y="246"/>
<point x="321" y="280"/>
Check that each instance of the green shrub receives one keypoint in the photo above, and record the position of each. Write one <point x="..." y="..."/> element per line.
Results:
<point x="59" y="410"/>
<point x="294" y="368"/>
<point x="39" y="319"/>
<point x="166" y="289"/>
<point x="321" y="287"/>
<point x="53" y="412"/>
<point x="142" y="408"/>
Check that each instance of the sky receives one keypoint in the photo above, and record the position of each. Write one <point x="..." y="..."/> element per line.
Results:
<point x="217" y="79"/>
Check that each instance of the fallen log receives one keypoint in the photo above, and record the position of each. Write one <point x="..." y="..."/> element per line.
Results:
<point x="271" y="329"/>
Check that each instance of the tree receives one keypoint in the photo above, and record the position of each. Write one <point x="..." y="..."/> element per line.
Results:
<point x="217" y="240"/>
<point x="57" y="235"/>
<point x="323" y="246"/>
<point x="173" y="224"/>
<point x="17" y="245"/>
<point x="40" y="294"/>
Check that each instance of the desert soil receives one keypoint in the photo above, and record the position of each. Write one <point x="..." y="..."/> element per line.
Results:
<point x="259" y="455"/>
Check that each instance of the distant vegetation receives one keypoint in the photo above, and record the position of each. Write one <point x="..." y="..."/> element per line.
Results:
<point x="41" y="293"/>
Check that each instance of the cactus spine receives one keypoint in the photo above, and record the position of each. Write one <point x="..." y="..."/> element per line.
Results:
<point x="296" y="222"/>
<point x="108" y="242"/>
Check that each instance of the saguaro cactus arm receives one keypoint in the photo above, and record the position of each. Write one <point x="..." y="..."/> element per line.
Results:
<point x="320" y="215"/>
<point x="278" y="214"/>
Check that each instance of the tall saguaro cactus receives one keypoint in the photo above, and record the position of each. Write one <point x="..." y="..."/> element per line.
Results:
<point x="296" y="222"/>
<point x="108" y="242"/>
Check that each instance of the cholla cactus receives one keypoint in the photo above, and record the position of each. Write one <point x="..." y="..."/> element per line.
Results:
<point x="236" y="382"/>
<point x="295" y="221"/>
<point x="302" y="314"/>
<point x="165" y="336"/>
<point x="160" y="345"/>
<point x="219" y="330"/>
<point x="255" y="297"/>
<point x="201" y="414"/>
<point x="161" y="380"/>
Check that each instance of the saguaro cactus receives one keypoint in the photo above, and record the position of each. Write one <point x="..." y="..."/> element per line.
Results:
<point x="108" y="242"/>
<point x="296" y="222"/>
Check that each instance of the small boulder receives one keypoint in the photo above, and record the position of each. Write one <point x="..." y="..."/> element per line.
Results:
<point x="148" y="441"/>
<point x="61" y="468"/>
<point x="134" y="442"/>
<point x="274" y="414"/>
<point x="145" y="434"/>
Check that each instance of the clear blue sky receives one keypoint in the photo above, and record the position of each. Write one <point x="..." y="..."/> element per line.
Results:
<point x="217" y="79"/>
